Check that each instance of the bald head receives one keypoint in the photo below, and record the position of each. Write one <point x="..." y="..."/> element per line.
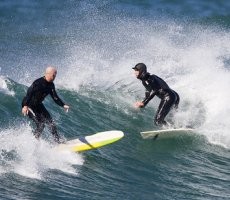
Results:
<point x="50" y="69"/>
<point x="50" y="73"/>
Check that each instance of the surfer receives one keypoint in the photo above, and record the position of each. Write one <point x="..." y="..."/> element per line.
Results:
<point x="154" y="85"/>
<point x="33" y="107"/>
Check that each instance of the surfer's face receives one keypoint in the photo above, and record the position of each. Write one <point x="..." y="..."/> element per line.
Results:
<point x="136" y="73"/>
<point x="50" y="76"/>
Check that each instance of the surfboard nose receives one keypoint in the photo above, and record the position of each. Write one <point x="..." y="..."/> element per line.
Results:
<point x="91" y="141"/>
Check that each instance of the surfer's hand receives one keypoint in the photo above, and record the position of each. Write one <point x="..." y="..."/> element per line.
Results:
<point x="25" y="110"/>
<point x="66" y="107"/>
<point x="139" y="104"/>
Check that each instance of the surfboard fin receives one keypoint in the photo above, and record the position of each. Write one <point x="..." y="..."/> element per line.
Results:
<point x="155" y="137"/>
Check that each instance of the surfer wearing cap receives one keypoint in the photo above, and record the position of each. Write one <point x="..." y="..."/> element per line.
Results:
<point x="33" y="107"/>
<point x="155" y="86"/>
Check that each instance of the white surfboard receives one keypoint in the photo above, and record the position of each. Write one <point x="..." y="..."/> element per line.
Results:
<point x="165" y="133"/>
<point x="91" y="142"/>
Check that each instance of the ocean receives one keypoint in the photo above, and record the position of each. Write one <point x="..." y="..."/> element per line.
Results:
<point x="94" y="45"/>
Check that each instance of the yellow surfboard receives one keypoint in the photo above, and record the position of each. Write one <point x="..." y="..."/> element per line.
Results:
<point x="91" y="142"/>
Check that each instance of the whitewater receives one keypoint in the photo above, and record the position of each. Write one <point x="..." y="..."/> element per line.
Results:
<point x="94" y="46"/>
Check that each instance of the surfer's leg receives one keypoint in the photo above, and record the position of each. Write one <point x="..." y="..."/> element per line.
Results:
<point x="51" y="124"/>
<point x="53" y="129"/>
<point x="163" y="110"/>
<point x="38" y="131"/>
<point x="160" y="115"/>
<point x="38" y="122"/>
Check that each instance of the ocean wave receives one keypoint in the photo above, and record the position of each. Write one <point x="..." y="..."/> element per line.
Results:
<point x="3" y="86"/>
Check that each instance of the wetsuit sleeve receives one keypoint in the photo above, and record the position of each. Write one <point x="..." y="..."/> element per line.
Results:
<point x="30" y="91"/>
<point x="149" y="94"/>
<point x="55" y="97"/>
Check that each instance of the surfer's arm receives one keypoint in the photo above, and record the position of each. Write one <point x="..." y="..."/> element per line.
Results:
<point x="149" y="93"/>
<point x="148" y="96"/>
<point x="27" y="99"/>
<point x="30" y="92"/>
<point x="56" y="98"/>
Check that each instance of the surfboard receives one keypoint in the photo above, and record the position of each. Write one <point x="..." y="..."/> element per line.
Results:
<point x="91" y="141"/>
<point x="165" y="133"/>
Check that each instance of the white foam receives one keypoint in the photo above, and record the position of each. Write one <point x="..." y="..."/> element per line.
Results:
<point x="21" y="153"/>
<point x="3" y="86"/>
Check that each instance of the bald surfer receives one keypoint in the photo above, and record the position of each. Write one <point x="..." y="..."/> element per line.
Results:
<point x="33" y="107"/>
<point x="155" y="86"/>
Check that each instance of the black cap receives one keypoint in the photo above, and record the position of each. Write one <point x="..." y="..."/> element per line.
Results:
<point x="140" y="67"/>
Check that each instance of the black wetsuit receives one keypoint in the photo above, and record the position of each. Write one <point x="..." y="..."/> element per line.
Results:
<point x="36" y="93"/>
<point x="156" y="86"/>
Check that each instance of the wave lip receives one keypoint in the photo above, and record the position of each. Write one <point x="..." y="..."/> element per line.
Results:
<point x="3" y="86"/>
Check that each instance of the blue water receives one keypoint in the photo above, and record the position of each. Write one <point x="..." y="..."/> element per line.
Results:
<point x="94" y="45"/>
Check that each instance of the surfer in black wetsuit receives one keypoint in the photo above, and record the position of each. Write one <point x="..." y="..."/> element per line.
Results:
<point x="33" y="107"/>
<point x="156" y="86"/>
